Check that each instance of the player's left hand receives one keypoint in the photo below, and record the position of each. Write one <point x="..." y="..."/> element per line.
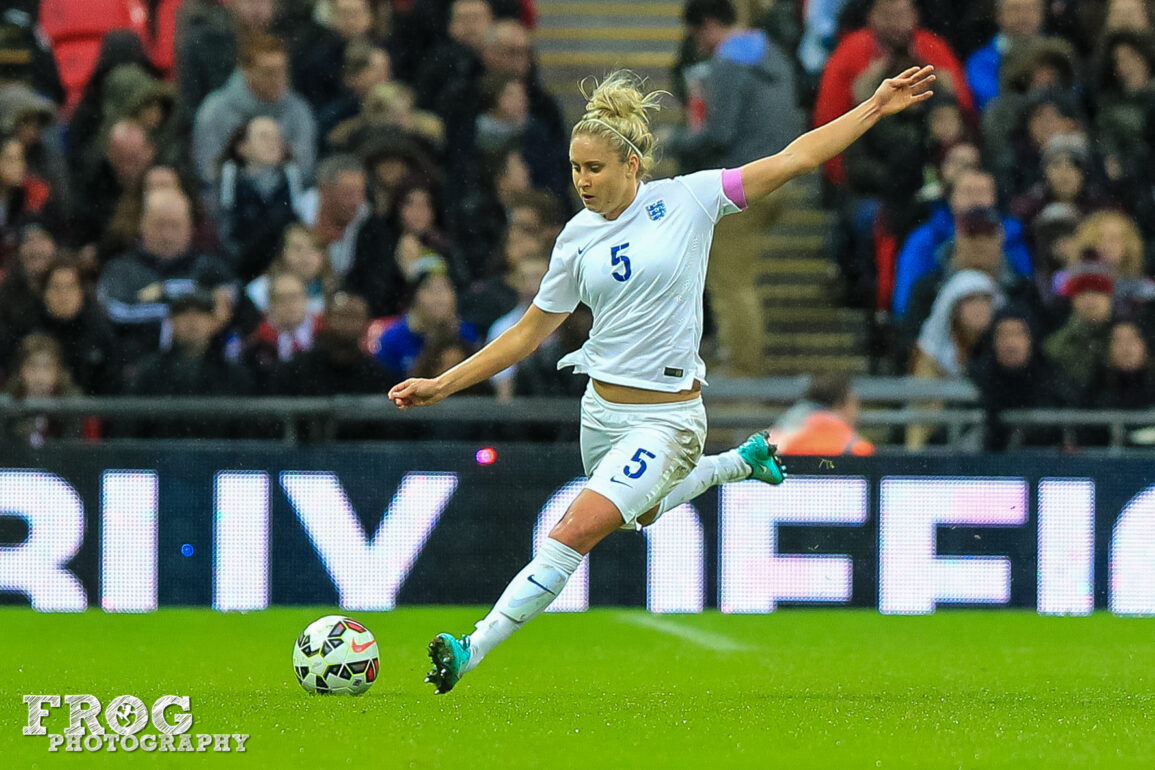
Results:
<point x="898" y="93"/>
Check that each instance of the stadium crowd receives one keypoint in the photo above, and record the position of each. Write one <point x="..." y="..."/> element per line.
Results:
<point x="1003" y="232"/>
<point x="313" y="197"/>
<point x="263" y="197"/>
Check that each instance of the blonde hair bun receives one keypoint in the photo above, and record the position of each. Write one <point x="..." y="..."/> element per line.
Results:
<point x="618" y="109"/>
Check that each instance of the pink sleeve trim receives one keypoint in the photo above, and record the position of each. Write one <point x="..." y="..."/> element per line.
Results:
<point x="732" y="187"/>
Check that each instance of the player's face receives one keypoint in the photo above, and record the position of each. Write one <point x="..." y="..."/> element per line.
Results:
<point x="606" y="184"/>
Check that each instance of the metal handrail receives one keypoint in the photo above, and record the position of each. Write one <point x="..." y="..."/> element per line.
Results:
<point x="768" y="390"/>
<point x="732" y="407"/>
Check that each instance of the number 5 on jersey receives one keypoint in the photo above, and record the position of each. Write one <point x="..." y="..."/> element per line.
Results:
<point x="620" y="262"/>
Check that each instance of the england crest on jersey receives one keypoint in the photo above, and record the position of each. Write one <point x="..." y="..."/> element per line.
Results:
<point x="656" y="210"/>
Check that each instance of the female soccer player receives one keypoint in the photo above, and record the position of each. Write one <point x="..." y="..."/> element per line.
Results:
<point x="637" y="256"/>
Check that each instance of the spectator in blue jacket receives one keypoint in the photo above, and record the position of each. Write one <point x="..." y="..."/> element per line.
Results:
<point x="1017" y="20"/>
<point x="434" y="308"/>
<point x="973" y="188"/>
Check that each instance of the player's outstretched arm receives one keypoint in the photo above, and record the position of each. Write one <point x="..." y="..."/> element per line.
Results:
<point x="812" y="149"/>
<point x="515" y="344"/>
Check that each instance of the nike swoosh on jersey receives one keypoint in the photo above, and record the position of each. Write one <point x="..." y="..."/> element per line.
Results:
<point x="616" y="480"/>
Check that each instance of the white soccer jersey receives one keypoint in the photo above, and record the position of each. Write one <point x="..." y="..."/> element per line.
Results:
<point x="643" y="276"/>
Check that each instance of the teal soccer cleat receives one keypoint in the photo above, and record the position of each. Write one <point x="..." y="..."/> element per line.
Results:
<point x="760" y="455"/>
<point x="449" y="656"/>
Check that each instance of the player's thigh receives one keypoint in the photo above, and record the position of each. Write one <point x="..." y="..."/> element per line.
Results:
<point x="643" y="466"/>
<point x="597" y="438"/>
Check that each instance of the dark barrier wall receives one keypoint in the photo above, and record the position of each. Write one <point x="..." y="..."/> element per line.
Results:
<point x="373" y="527"/>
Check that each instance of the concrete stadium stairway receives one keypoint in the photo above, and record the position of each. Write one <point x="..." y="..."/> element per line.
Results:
<point x="803" y="331"/>
<point x="807" y="331"/>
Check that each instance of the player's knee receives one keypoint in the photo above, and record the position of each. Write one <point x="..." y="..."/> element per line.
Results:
<point x="589" y="519"/>
<point x="577" y="533"/>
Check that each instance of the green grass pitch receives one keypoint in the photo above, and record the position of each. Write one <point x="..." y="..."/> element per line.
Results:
<point x="617" y="689"/>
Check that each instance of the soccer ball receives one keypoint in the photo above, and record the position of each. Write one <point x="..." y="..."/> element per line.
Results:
<point x="336" y="655"/>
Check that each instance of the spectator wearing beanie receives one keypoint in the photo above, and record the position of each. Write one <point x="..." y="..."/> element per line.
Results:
<point x="1066" y="178"/>
<point x="1077" y="347"/>
<point x="1112" y="239"/>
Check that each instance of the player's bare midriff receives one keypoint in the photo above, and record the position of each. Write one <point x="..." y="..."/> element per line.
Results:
<point x="624" y="394"/>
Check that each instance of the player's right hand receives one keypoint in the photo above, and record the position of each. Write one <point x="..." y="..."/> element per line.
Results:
<point x="415" y="392"/>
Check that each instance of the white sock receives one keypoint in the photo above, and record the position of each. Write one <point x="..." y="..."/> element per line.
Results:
<point x="527" y="595"/>
<point x="710" y="471"/>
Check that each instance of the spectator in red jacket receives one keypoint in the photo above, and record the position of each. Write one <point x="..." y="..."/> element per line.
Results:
<point x="892" y="32"/>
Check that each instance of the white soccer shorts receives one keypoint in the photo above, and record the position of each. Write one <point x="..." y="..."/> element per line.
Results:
<point x="635" y="454"/>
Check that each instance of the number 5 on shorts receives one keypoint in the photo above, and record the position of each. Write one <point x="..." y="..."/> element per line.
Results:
<point x="641" y="464"/>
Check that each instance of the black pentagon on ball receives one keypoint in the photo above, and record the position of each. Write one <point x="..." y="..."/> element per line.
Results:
<point x="302" y="672"/>
<point x="331" y="644"/>
<point x="359" y="666"/>
<point x="320" y="685"/>
<point x="304" y="646"/>
<point x="337" y="629"/>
